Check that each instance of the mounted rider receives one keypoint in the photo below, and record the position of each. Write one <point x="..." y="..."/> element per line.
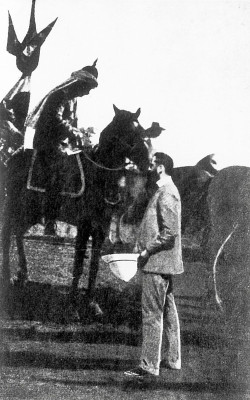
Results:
<point x="53" y="127"/>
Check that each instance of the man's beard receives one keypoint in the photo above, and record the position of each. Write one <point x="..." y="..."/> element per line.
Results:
<point x="153" y="177"/>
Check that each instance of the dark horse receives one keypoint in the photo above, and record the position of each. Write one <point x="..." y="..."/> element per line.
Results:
<point x="91" y="213"/>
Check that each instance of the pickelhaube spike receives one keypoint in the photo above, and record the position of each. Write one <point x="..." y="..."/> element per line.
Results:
<point x="92" y="69"/>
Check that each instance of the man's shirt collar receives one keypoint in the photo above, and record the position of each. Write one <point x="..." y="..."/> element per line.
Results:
<point x="164" y="181"/>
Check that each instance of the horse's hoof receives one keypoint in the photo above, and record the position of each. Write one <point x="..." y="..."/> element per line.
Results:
<point x="95" y="309"/>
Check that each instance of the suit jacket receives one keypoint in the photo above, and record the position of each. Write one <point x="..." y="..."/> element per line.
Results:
<point x="160" y="231"/>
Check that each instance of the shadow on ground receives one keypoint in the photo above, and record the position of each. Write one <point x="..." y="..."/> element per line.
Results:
<point x="104" y="365"/>
<point x="36" y="301"/>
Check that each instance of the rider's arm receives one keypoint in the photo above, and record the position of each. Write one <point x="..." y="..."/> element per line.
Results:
<point x="64" y="124"/>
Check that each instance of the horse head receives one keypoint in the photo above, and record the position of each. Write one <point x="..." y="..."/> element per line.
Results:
<point x="123" y="138"/>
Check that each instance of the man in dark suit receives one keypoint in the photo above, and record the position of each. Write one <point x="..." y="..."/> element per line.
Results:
<point x="159" y="245"/>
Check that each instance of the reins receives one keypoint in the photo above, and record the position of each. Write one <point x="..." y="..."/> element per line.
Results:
<point x="102" y="166"/>
<point x="113" y="203"/>
<point x="107" y="168"/>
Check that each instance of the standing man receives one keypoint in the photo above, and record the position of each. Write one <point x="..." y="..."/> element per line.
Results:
<point x="53" y="124"/>
<point x="159" y="245"/>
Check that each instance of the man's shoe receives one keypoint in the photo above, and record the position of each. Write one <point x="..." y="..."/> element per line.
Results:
<point x="165" y="364"/>
<point x="140" y="374"/>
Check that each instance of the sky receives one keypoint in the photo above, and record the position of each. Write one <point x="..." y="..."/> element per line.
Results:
<point x="186" y="64"/>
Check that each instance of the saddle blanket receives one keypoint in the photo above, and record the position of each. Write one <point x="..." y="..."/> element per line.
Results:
<point x="70" y="169"/>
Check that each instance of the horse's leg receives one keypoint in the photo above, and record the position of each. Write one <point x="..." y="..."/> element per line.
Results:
<point x="83" y="233"/>
<point x="6" y="292"/>
<point x="6" y="237"/>
<point x="97" y="241"/>
<point x="22" y="274"/>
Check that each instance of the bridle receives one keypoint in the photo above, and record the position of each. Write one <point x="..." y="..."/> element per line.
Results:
<point x="121" y="168"/>
<point x="101" y="166"/>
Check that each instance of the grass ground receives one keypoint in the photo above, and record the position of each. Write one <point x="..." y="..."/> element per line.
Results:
<point x="44" y="355"/>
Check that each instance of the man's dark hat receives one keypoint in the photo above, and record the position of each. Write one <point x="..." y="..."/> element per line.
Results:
<point x="91" y="69"/>
<point x="154" y="131"/>
<point x="156" y="125"/>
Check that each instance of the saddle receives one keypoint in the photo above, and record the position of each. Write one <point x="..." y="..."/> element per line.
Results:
<point x="72" y="179"/>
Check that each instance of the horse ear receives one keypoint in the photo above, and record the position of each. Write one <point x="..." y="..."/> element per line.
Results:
<point x="138" y="112"/>
<point x="116" y="109"/>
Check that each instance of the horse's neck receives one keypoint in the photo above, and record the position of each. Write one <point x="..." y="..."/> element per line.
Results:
<point x="109" y="158"/>
<point x="110" y="152"/>
<point x="109" y="134"/>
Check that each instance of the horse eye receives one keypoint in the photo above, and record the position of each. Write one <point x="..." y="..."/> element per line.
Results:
<point x="136" y="124"/>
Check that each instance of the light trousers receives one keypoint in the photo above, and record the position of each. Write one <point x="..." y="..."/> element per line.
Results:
<point x="160" y="324"/>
